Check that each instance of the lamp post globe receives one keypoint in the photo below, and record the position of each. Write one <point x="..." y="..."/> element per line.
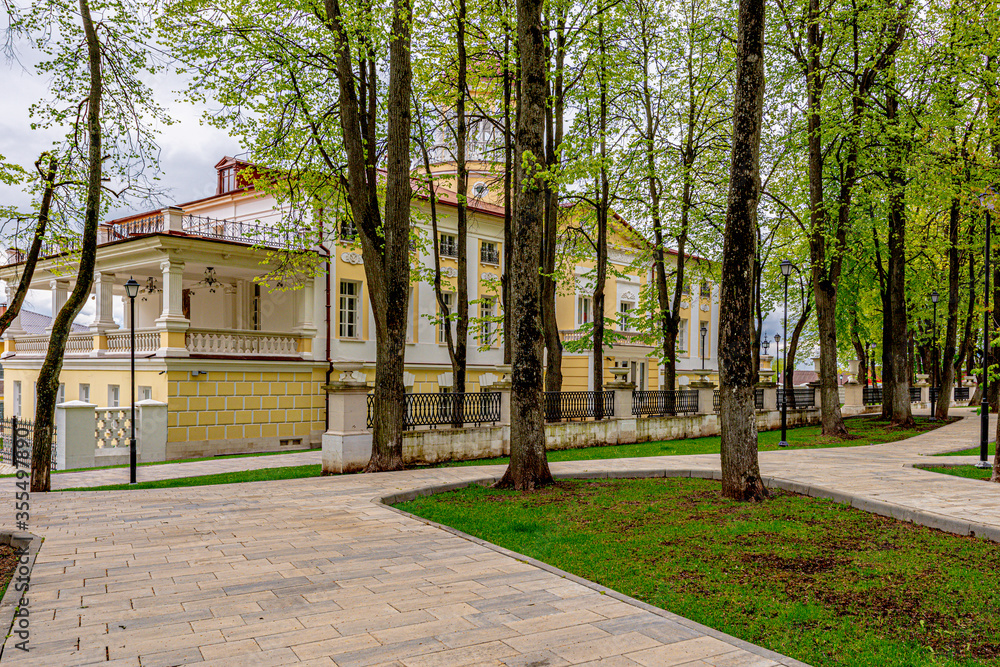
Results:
<point x="132" y="290"/>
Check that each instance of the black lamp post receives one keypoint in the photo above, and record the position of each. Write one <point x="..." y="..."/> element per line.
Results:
<point x="132" y="289"/>
<point x="986" y="201"/>
<point x="786" y="270"/>
<point x="871" y="363"/>
<point x="704" y="332"/>
<point x="934" y="369"/>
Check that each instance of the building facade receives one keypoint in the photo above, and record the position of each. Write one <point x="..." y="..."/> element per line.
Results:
<point x="241" y="361"/>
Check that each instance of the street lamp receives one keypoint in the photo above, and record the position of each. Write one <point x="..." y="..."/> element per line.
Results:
<point x="132" y="289"/>
<point x="986" y="201"/>
<point x="786" y="270"/>
<point x="766" y="345"/>
<point x="934" y="374"/>
<point x="704" y="332"/>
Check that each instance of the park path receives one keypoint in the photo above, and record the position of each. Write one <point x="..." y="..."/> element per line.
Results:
<point x="316" y="572"/>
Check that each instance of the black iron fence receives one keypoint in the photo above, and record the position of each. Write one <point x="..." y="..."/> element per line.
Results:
<point x="914" y="394"/>
<point x="871" y="395"/>
<point x="798" y="397"/>
<point x="961" y="394"/>
<point x="17" y="442"/>
<point x="560" y="405"/>
<point x="242" y="231"/>
<point x="758" y="399"/>
<point x="664" y="402"/>
<point x="446" y="409"/>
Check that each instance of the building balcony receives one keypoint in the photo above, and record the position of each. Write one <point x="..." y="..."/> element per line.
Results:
<point x="197" y="342"/>
<point x="631" y="338"/>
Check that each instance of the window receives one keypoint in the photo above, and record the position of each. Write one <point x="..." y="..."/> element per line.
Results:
<point x="145" y="393"/>
<point x="114" y="395"/>
<point x="350" y="316"/>
<point x="489" y="253"/>
<point x="348" y="230"/>
<point x="583" y="310"/>
<point x="706" y="288"/>
<point x="624" y="319"/>
<point x="255" y="308"/>
<point x="687" y="289"/>
<point x="227" y="180"/>
<point x="61" y="394"/>
<point x="480" y="190"/>
<point x="449" y="300"/>
<point x="17" y="398"/>
<point x="448" y="245"/>
<point x="85" y="393"/>
<point x="486" y="305"/>
<point x="682" y="336"/>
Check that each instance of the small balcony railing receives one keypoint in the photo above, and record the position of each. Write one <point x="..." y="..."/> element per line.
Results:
<point x="241" y="343"/>
<point x="489" y="255"/>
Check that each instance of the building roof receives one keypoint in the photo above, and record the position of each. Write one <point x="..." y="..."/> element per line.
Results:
<point x="36" y="323"/>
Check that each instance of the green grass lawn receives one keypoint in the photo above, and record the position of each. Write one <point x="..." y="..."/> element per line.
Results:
<point x="261" y="475"/>
<point x="809" y="578"/>
<point x="972" y="451"/>
<point x="868" y="430"/>
<point x="972" y="472"/>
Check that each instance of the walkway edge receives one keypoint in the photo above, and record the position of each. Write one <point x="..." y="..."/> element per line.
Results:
<point x="621" y="597"/>
<point x="12" y="598"/>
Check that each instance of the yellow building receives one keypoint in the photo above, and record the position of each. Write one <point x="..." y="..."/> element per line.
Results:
<point x="241" y="364"/>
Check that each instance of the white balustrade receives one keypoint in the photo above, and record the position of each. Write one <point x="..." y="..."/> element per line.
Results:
<point x="223" y="342"/>
<point x="112" y="426"/>
<point x="77" y="343"/>
<point x="146" y="340"/>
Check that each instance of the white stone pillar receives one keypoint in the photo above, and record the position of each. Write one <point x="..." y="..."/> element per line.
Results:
<point x="173" y="219"/>
<point x="853" y="394"/>
<point x="770" y="397"/>
<point x="59" y="290"/>
<point x="152" y="430"/>
<point x="172" y="323"/>
<point x="624" y="418"/>
<point x="347" y="445"/>
<point x="104" y="288"/>
<point x="75" y="441"/>
<point x="503" y="388"/>
<point x="706" y="397"/>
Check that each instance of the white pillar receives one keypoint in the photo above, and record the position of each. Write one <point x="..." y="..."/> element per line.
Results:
<point x="59" y="290"/>
<point x="347" y="446"/>
<point x="75" y="442"/>
<point x="104" y="287"/>
<point x="172" y="323"/>
<point x="152" y="430"/>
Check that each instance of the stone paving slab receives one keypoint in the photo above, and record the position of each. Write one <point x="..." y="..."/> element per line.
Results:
<point x="318" y="572"/>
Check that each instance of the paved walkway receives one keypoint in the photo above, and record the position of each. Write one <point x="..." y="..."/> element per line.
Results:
<point x="313" y="572"/>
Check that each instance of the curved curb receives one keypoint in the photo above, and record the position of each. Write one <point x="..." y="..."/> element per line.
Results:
<point x="603" y="590"/>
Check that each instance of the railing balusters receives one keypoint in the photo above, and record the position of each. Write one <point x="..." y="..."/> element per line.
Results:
<point x="664" y="402"/>
<point x="446" y="409"/>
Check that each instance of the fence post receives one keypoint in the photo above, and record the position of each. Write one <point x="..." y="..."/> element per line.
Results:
<point x="502" y="387"/>
<point x="347" y="445"/>
<point x="152" y="430"/>
<point x="75" y="442"/>
<point x="706" y="396"/>
<point x="770" y="396"/>
<point x="853" y="394"/>
<point x="925" y="388"/>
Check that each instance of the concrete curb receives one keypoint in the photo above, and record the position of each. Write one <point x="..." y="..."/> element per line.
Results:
<point x="12" y="598"/>
<point x="631" y="474"/>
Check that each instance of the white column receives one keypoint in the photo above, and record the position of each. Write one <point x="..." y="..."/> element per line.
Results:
<point x="173" y="308"/>
<point x="104" y="286"/>
<point x="152" y="431"/>
<point x="59" y="290"/>
<point x="75" y="443"/>
<point x="15" y="328"/>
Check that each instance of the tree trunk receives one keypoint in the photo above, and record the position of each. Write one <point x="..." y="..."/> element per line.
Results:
<point x="48" y="376"/>
<point x="901" y="414"/>
<point x="529" y="468"/>
<point x="508" y="203"/>
<point x="951" y="333"/>
<point x="603" y="203"/>
<point x="462" y="178"/>
<point x="31" y="261"/>
<point x="740" y="470"/>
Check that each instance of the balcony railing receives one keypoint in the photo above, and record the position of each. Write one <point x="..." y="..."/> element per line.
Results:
<point x="239" y="231"/>
<point x="146" y="340"/>
<point x="239" y="343"/>
<point x="489" y="255"/>
<point x="634" y="338"/>
<point x="144" y="226"/>
<point x="38" y="346"/>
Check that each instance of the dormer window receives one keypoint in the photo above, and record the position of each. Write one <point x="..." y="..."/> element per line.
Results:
<point x="227" y="180"/>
